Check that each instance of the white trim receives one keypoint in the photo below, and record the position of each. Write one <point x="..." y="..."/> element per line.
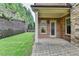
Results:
<point x="43" y="26"/>
<point x="67" y="18"/>
<point x="36" y="26"/>
<point x="55" y="28"/>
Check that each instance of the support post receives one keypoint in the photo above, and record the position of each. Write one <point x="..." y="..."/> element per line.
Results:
<point x="36" y="26"/>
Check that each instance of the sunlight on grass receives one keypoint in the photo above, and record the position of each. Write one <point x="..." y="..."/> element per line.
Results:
<point x="18" y="45"/>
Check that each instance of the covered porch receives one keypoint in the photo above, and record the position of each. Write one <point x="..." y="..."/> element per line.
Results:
<point x="52" y="21"/>
<point x="54" y="24"/>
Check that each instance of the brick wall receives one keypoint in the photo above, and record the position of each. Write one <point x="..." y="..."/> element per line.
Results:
<point x="63" y="29"/>
<point x="60" y="28"/>
<point x="48" y="29"/>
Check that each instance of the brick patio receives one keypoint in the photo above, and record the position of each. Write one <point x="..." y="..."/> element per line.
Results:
<point x="54" y="47"/>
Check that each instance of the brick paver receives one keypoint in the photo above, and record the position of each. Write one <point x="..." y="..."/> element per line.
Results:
<point x="54" y="47"/>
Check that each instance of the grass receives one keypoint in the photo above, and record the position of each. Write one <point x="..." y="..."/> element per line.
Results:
<point x="18" y="45"/>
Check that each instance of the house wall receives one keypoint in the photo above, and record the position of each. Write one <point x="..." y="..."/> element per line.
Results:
<point x="75" y="25"/>
<point x="47" y="35"/>
<point x="60" y="28"/>
<point x="63" y="29"/>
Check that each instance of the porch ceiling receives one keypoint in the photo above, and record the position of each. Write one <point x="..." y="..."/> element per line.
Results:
<point x="52" y="12"/>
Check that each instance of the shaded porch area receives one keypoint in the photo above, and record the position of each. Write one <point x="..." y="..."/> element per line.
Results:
<point x="52" y="21"/>
<point x="54" y="47"/>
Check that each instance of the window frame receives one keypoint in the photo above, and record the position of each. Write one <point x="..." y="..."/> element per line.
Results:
<point x="67" y="25"/>
<point x="44" y="26"/>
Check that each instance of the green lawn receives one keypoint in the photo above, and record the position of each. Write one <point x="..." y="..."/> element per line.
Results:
<point x="18" y="45"/>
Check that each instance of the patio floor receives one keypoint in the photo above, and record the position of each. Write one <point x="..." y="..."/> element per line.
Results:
<point x="54" y="47"/>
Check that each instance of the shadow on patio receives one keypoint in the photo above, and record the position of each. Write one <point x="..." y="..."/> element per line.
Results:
<point x="54" y="47"/>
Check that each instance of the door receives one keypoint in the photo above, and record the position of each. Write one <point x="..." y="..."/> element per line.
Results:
<point x="53" y="28"/>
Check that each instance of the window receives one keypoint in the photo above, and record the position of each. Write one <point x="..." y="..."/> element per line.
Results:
<point x="43" y="26"/>
<point x="68" y="26"/>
